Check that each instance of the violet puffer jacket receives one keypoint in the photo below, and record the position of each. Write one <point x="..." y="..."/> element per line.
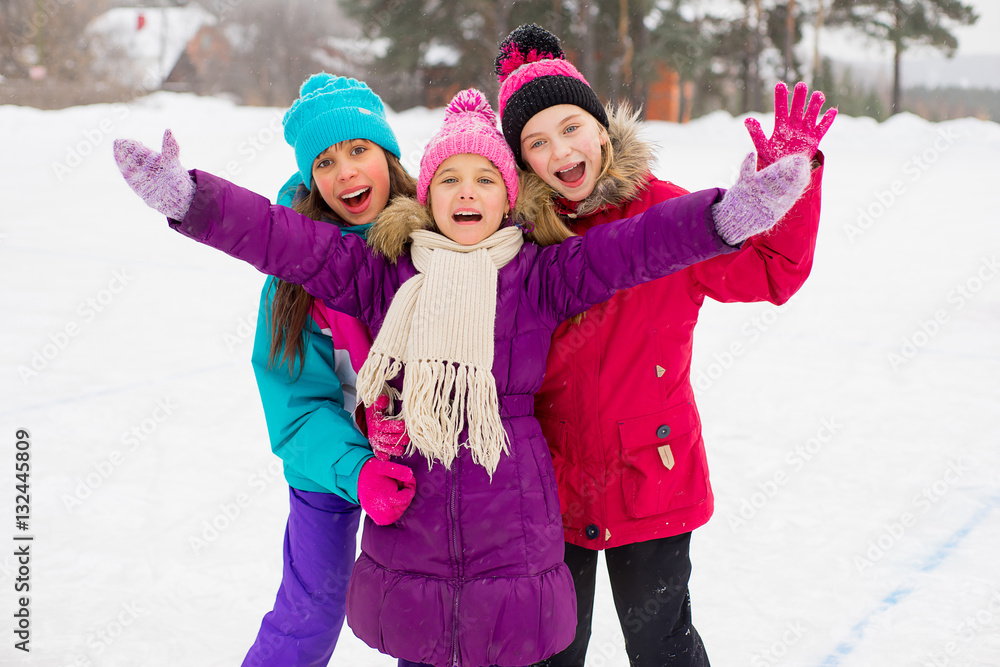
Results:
<point x="473" y="572"/>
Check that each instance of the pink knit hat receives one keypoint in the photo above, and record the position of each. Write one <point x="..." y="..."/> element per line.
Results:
<point x="470" y="126"/>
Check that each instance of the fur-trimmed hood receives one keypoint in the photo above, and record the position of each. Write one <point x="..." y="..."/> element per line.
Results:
<point x="632" y="159"/>
<point x="390" y="232"/>
<point x="624" y="180"/>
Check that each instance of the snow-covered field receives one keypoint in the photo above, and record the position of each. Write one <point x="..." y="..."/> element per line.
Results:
<point x="853" y="434"/>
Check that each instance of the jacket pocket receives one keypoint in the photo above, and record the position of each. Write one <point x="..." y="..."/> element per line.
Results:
<point x="663" y="461"/>
<point x="554" y="432"/>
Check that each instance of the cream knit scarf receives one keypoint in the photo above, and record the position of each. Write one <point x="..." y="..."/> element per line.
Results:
<point x="440" y="327"/>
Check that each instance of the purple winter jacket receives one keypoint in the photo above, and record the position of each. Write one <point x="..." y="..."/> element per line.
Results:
<point x="473" y="572"/>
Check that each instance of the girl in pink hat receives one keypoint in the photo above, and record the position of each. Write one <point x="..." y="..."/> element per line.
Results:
<point x="617" y="407"/>
<point x="462" y="304"/>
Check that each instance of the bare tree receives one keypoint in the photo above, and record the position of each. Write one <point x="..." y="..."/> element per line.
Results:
<point x="47" y="36"/>
<point x="278" y="44"/>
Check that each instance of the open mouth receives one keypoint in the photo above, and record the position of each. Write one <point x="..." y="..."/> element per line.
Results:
<point x="573" y="174"/>
<point x="356" y="199"/>
<point x="466" y="217"/>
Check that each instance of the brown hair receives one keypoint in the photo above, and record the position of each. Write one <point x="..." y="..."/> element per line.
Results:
<point x="292" y="303"/>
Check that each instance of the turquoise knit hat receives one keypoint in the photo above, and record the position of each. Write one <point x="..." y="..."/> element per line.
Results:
<point x="331" y="109"/>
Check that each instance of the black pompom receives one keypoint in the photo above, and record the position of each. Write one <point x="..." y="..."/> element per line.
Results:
<point x="525" y="44"/>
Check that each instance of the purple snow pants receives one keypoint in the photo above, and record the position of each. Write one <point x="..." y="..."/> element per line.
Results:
<point x="320" y="543"/>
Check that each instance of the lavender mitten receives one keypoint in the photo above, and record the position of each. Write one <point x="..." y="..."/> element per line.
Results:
<point x="759" y="199"/>
<point x="158" y="178"/>
<point x="795" y="131"/>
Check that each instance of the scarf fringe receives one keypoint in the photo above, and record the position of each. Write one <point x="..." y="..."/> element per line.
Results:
<point x="442" y="341"/>
<point x="373" y="378"/>
<point x="443" y="398"/>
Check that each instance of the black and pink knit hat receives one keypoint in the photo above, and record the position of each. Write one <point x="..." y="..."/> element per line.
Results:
<point x="535" y="75"/>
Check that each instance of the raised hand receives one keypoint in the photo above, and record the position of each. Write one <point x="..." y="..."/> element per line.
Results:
<point x="385" y="490"/>
<point x="158" y="178"/>
<point x="388" y="437"/>
<point x="795" y="131"/>
<point x="759" y="199"/>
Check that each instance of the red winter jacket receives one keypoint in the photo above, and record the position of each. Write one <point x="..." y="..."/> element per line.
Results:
<point x="617" y="406"/>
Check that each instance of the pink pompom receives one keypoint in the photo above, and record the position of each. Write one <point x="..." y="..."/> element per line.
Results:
<point x="471" y="100"/>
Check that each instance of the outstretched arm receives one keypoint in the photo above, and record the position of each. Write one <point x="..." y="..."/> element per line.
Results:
<point x="274" y="239"/>
<point x="773" y="266"/>
<point x="667" y="237"/>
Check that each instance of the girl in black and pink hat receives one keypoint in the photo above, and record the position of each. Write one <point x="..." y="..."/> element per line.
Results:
<point x="617" y="407"/>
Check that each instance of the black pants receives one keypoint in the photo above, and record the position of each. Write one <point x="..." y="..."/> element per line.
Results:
<point x="649" y="582"/>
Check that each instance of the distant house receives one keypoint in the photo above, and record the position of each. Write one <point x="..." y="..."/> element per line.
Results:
<point x="349" y="55"/>
<point x="206" y="56"/>
<point x="664" y="99"/>
<point x="439" y="64"/>
<point x="141" y="47"/>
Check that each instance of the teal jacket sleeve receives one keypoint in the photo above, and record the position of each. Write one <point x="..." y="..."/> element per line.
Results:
<point x="310" y="431"/>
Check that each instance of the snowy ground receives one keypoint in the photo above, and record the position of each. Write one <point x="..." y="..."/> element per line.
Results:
<point x="853" y="433"/>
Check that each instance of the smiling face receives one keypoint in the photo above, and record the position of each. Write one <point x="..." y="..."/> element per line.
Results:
<point x="562" y="145"/>
<point x="353" y="179"/>
<point x="468" y="198"/>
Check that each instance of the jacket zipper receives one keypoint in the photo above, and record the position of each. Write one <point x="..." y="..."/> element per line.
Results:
<point x="456" y="545"/>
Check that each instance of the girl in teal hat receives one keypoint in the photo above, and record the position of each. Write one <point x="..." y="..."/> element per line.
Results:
<point x="306" y="359"/>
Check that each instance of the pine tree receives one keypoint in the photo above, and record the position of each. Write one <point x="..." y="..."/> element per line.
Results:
<point x="905" y="23"/>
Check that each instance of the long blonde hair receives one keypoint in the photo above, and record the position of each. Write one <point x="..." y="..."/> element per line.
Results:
<point x="539" y="196"/>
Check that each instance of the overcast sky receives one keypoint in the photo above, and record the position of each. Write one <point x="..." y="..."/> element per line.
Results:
<point x="984" y="36"/>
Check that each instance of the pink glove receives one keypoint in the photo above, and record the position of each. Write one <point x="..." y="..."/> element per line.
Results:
<point x="387" y="436"/>
<point x="795" y="132"/>
<point x="759" y="199"/>
<point x="158" y="178"/>
<point x="385" y="490"/>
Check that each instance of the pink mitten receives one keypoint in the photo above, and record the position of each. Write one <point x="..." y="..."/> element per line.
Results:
<point x="759" y="199"/>
<point x="158" y="178"/>
<point x="387" y="436"/>
<point x="795" y="132"/>
<point x="385" y="490"/>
